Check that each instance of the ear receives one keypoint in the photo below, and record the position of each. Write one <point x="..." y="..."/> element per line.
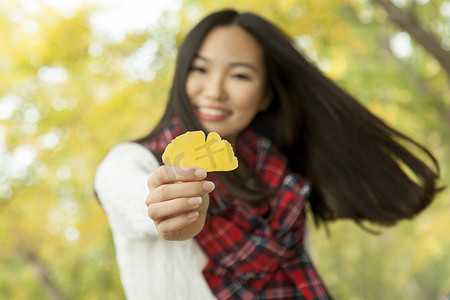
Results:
<point x="265" y="102"/>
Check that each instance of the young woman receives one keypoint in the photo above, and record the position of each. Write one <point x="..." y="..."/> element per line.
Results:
<point x="299" y="139"/>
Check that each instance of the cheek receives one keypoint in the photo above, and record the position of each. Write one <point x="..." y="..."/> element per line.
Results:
<point x="191" y="87"/>
<point x="250" y="100"/>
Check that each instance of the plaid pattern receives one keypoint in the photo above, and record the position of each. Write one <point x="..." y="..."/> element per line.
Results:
<point x="257" y="252"/>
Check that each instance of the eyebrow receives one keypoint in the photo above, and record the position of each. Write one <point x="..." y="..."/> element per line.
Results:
<point x="234" y="64"/>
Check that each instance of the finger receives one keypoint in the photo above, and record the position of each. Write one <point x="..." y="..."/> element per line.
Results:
<point x="204" y="205"/>
<point x="168" y="208"/>
<point x="170" y="225"/>
<point x="179" y="190"/>
<point x="168" y="174"/>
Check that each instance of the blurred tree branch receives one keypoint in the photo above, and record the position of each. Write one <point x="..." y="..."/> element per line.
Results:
<point x="40" y="270"/>
<point x="408" y="22"/>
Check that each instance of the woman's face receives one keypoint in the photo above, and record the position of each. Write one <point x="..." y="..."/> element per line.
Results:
<point x="226" y="83"/>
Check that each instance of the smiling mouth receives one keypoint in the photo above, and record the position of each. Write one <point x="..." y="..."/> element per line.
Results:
<point x="212" y="114"/>
<point x="213" y="111"/>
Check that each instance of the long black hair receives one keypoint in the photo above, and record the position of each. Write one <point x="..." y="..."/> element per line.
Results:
<point x="360" y="168"/>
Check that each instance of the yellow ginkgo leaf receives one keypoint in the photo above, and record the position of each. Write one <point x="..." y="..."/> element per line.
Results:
<point x="191" y="149"/>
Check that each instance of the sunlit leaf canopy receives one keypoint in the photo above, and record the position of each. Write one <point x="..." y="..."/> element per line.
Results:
<point x="78" y="77"/>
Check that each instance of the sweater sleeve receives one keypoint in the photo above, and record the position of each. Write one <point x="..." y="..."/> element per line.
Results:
<point x="121" y="187"/>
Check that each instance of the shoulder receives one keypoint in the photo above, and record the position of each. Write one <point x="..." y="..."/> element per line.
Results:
<point x="128" y="152"/>
<point x="128" y="149"/>
<point x="125" y="159"/>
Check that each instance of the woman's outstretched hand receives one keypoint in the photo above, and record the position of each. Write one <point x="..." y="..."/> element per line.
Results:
<point x="178" y="200"/>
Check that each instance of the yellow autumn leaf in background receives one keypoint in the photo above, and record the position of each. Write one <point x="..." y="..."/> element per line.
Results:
<point x="191" y="149"/>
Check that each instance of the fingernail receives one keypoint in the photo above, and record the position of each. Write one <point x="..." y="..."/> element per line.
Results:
<point x="200" y="173"/>
<point x="195" y="201"/>
<point x="208" y="186"/>
<point x="192" y="215"/>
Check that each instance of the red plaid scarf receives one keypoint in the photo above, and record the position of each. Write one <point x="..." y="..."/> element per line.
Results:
<point x="256" y="252"/>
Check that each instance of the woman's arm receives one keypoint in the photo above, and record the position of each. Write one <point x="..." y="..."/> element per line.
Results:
<point x="121" y="187"/>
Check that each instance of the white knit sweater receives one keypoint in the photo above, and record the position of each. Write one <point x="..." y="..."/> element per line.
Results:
<point x="150" y="267"/>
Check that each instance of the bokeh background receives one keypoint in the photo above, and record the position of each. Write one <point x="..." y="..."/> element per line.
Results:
<point x="76" y="77"/>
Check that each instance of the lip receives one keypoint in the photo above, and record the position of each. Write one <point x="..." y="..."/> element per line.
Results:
<point x="211" y="113"/>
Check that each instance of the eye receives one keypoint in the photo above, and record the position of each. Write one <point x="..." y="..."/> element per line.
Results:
<point x="241" y="76"/>
<point x="198" y="69"/>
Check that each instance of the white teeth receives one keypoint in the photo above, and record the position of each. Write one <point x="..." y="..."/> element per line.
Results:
<point x="212" y="111"/>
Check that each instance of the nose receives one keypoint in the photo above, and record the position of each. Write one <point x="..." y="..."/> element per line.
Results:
<point x="215" y="87"/>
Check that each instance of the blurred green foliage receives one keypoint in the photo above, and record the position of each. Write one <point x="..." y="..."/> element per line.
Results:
<point x="67" y="95"/>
